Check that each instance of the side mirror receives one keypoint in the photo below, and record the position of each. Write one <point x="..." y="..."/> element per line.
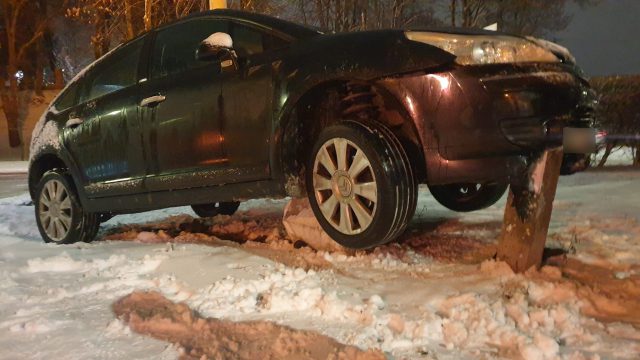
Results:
<point x="218" y="47"/>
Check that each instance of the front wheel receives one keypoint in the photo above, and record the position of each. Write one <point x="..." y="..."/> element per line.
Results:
<point x="467" y="197"/>
<point x="574" y="163"/>
<point x="60" y="217"/>
<point x="360" y="184"/>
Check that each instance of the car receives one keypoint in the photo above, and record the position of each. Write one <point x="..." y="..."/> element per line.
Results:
<point x="225" y="106"/>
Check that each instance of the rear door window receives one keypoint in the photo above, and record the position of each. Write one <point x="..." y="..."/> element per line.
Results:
<point x="174" y="50"/>
<point x="68" y="98"/>
<point x="118" y="71"/>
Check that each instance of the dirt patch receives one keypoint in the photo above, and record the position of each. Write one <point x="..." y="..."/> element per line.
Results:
<point x="262" y="236"/>
<point x="151" y="314"/>
<point x="444" y="240"/>
<point x="608" y="294"/>
<point x="239" y="228"/>
<point x="450" y="240"/>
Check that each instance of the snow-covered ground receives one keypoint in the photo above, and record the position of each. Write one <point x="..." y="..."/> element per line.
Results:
<point x="436" y="293"/>
<point x="621" y="156"/>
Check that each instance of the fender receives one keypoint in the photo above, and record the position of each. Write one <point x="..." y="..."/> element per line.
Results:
<point x="363" y="56"/>
<point x="48" y="141"/>
<point x="360" y="56"/>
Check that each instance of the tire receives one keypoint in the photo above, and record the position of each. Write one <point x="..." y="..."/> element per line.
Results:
<point x="574" y="163"/>
<point x="59" y="214"/>
<point x="211" y="210"/>
<point x="368" y="198"/>
<point x="465" y="197"/>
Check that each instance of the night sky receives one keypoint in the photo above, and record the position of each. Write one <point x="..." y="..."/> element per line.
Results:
<point x="605" y="39"/>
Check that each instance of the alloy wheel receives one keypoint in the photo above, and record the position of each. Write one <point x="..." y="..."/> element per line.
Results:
<point x="345" y="186"/>
<point x="55" y="210"/>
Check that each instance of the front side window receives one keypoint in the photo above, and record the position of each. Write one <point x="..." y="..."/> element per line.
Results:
<point x="276" y="43"/>
<point x="117" y="72"/>
<point x="175" y="47"/>
<point x="247" y="41"/>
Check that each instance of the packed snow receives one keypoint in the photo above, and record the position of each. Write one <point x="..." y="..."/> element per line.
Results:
<point x="437" y="293"/>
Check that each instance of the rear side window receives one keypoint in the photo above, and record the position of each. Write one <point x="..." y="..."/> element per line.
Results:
<point x="116" y="72"/>
<point x="68" y="98"/>
<point x="174" y="50"/>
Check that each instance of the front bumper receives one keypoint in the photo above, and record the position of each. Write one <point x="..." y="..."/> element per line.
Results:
<point x="510" y="110"/>
<point x="468" y="116"/>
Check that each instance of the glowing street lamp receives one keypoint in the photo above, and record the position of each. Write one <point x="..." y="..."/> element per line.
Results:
<point x="217" y="4"/>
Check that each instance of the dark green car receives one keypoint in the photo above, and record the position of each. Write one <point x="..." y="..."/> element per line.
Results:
<point x="226" y="106"/>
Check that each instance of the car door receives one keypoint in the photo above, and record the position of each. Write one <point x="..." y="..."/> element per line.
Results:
<point x="103" y="133"/>
<point x="247" y="103"/>
<point x="181" y="109"/>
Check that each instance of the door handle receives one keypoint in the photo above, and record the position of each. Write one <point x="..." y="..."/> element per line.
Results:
<point x="152" y="100"/>
<point x="73" y="122"/>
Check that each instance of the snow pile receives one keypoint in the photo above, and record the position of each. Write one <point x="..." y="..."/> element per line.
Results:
<point x="517" y="325"/>
<point x="36" y="326"/>
<point x="115" y="265"/>
<point x="524" y="318"/>
<point x="301" y="224"/>
<point x="288" y="292"/>
<point x="17" y="219"/>
<point x="282" y="290"/>
<point x="278" y="290"/>
<point x="56" y="300"/>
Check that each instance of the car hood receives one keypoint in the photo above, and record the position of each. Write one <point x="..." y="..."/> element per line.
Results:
<point x="368" y="54"/>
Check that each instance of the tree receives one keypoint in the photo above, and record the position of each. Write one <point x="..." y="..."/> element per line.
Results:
<point x="618" y="113"/>
<point x="267" y="7"/>
<point x="352" y="15"/>
<point x="122" y="20"/>
<point x="524" y="17"/>
<point x="23" y="28"/>
<point x="470" y="13"/>
<point x="531" y="17"/>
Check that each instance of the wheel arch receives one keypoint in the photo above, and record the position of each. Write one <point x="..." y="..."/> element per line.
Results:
<point x="322" y="105"/>
<point x="44" y="162"/>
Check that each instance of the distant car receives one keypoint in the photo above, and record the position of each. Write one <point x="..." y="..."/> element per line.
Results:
<point x="226" y="106"/>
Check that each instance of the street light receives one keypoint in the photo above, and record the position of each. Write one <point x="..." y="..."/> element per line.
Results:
<point x="217" y="4"/>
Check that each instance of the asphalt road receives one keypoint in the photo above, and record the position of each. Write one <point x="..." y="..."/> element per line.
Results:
<point x="12" y="184"/>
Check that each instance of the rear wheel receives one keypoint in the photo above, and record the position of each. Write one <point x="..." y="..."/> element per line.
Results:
<point x="466" y="197"/>
<point x="59" y="215"/>
<point x="361" y="187"/>
<point x="211" y="210"/>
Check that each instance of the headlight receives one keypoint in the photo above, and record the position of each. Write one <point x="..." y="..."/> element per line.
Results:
<point x="484" y="49"/>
